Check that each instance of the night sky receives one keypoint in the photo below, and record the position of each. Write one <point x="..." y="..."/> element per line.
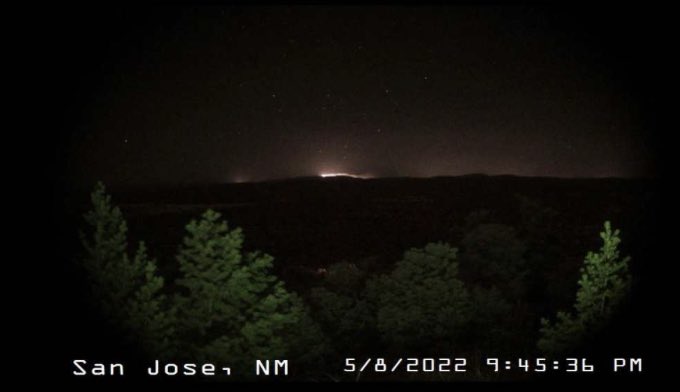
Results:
<point x="225" y="94"/>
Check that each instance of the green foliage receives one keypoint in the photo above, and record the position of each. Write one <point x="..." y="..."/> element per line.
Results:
<point x="490" y="325"/>
<point x="128" y="290"/>
<point x="208" y="257"/>
<point x="603" y="285"/>
<point x="604" y="280"/>
<point x="341" y="308"/>
<point x="542" y="229"/>
<point x="308" y="346"/>
<point x="422" y="305"/>
<point x="232" y="309"/>
<point x="537" y="221"/>
<point x="345" y="278"/>
<point x="149" y="314"/>
<point x="493" y="255"/>
<point x="565" y="334"/>
<point x="228" y="306"/>
<point x="106" y="260"/>
<point x="476" y="218"/>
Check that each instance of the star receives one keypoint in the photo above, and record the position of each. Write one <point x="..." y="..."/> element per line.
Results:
<point x="338" y="100"/>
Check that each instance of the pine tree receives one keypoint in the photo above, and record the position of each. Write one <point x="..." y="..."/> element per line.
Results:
<point x="493" y="255"/>
<point x="105" y="243"/>
<point x="307" y="345"/>
<point x="422" y="304"/>
<point x="231" y="307"/>
<point x="603" y="285"/>
<point x="342" y="310"/>
<point x="149" y="313"/>
<point x="127" y="290"/>
<point x="490" y="327"/>
<point x="605" y="280"/>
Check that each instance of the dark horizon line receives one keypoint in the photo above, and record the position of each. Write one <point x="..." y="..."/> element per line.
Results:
<point x="140" y="185"/>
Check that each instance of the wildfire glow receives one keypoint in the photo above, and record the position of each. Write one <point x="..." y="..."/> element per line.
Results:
<point x="326" y="175"/>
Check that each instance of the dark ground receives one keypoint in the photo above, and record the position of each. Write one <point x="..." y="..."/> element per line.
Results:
<point x="308" y="223"/>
